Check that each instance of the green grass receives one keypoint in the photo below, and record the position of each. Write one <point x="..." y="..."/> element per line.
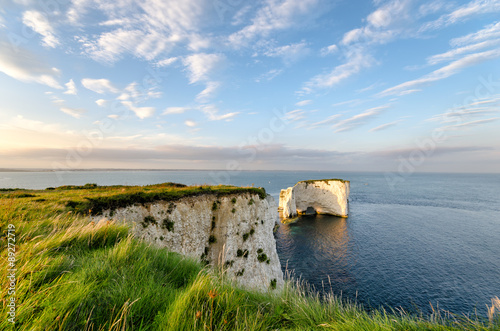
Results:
<point x="76" y="275"/>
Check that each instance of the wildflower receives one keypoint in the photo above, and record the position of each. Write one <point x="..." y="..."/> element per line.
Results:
<point x="212" y="294"/>
<point x="198" y="314"/>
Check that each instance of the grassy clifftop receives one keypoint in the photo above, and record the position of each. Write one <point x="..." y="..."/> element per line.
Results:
<point x="93" y="199"/>
<point x="75" y="275"/>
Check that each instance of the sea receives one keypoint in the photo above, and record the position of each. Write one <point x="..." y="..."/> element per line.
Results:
<point x="422" y="242"/>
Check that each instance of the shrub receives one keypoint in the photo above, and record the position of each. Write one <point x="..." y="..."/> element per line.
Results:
<point x="273" y="284"/>
<point x="168" y="224"/>
<point x="262" y="257"/>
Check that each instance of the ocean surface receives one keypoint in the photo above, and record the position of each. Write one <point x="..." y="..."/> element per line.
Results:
<point x="432" y="239"/>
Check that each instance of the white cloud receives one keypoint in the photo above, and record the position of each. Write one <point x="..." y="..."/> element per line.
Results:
<point x="101" y="102"/>
<point x="166" y="62"/>
<point x="269" y="75"/>
<point x="114" y="116"/>
<point x="454" y="53"/>
<point x="136" y="93"/>
<point x="75" y="112"/>
<point x="356" y="61"/>
<point x="40" y="24"/>
<point x="22" y="65"/>
<point x="274" y="15"/>
<point x="31" y="125"/>
<point x="462" y="126"/>
<point x="289" y="53"/>
<point x="303" y="103"/>
<point x="208" y="92"/>
<point x="329" y="50"/>
<point x="385" y="126"/>
<point x="359" y="119"/>
<point x="146" y="29"/>
<point x="190" y="123"/>
<point x="175" y="110"/>
<point x="100" y="86"/>
<point x="201" y="64"/>
<point x="211" y="112"/>
<point x="489" y="32"/>
<point x="141" y="112"/>
<point x="326" y="121"/>
<point x="463" y="12"/>
<point x="444" y="72"/>
<point x="295" y="115"/>
<point x="70" y="87"/>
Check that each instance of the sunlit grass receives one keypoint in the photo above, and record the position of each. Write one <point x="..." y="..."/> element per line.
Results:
<point x="73" y="274"/>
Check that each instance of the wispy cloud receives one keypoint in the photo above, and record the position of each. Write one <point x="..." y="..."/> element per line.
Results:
<point x="200" y="65"/>
<point x="145" y="29"/>
<point x="443" y="72"/>
<point x="359" y="119"/>
<point x="385" y="126"/>
<point x="469" y="124"/>
<point x="328" y="120"/>
<point x="463" y="12"/>
<point x="269" y="75"/>
<point x="175" y="110"/>
<point x="357" y="60"/>
<point x="75" y="112"/>
<point x="303" y="103"/>
<point x="101" y="86"/>
<point x="208" y="92"/>
<point x="40" y="24"/>
<point x="25" y="66"/>
<point x="491" y="31"/>
<point x="212" y="113"/>
<point x="274" y="15"/>
<point x="289" y="53"/>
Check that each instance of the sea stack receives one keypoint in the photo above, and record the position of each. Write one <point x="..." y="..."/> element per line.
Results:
<point x="324" y="196"/>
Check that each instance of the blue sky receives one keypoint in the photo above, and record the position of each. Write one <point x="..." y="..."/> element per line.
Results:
<point x="397" y="86"/>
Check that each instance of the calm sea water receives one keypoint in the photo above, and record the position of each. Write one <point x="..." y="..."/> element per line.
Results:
<point x="432" y="239"/>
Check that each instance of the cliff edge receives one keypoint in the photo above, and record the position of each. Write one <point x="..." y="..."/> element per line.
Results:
<point x="325" y="196"/>
<point x="232" y="231"/>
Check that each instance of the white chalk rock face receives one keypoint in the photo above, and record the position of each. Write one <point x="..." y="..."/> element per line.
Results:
<point x="326" y="196"/>
<point x="234" y="232"/>
<point x="287" y="202"/>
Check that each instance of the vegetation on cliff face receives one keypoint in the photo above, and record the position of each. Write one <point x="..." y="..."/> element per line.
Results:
<point x="72" y="274"/>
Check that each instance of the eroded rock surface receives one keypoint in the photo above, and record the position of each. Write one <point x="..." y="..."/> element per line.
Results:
<point x="234" y="232"/>
<point x="326" y="196"/>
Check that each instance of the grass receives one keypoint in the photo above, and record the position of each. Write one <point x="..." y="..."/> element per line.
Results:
<point x="312" y="181"/>
<point x="76" y="275"/>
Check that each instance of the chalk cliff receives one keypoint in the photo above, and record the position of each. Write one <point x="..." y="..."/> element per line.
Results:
<point x="234" y="232"/>
<point x="326" y="196"/>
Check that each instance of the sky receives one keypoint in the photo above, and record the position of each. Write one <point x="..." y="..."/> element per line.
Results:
<point x="399" y="86"/>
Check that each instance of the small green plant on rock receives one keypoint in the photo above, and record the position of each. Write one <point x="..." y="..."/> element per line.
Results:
<point x="262" y="257"/>
<point x="212" y="239"/>
<point x="168" y="224"/>
<point x="149" y="220"/>
<point x="273" y="283"/>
